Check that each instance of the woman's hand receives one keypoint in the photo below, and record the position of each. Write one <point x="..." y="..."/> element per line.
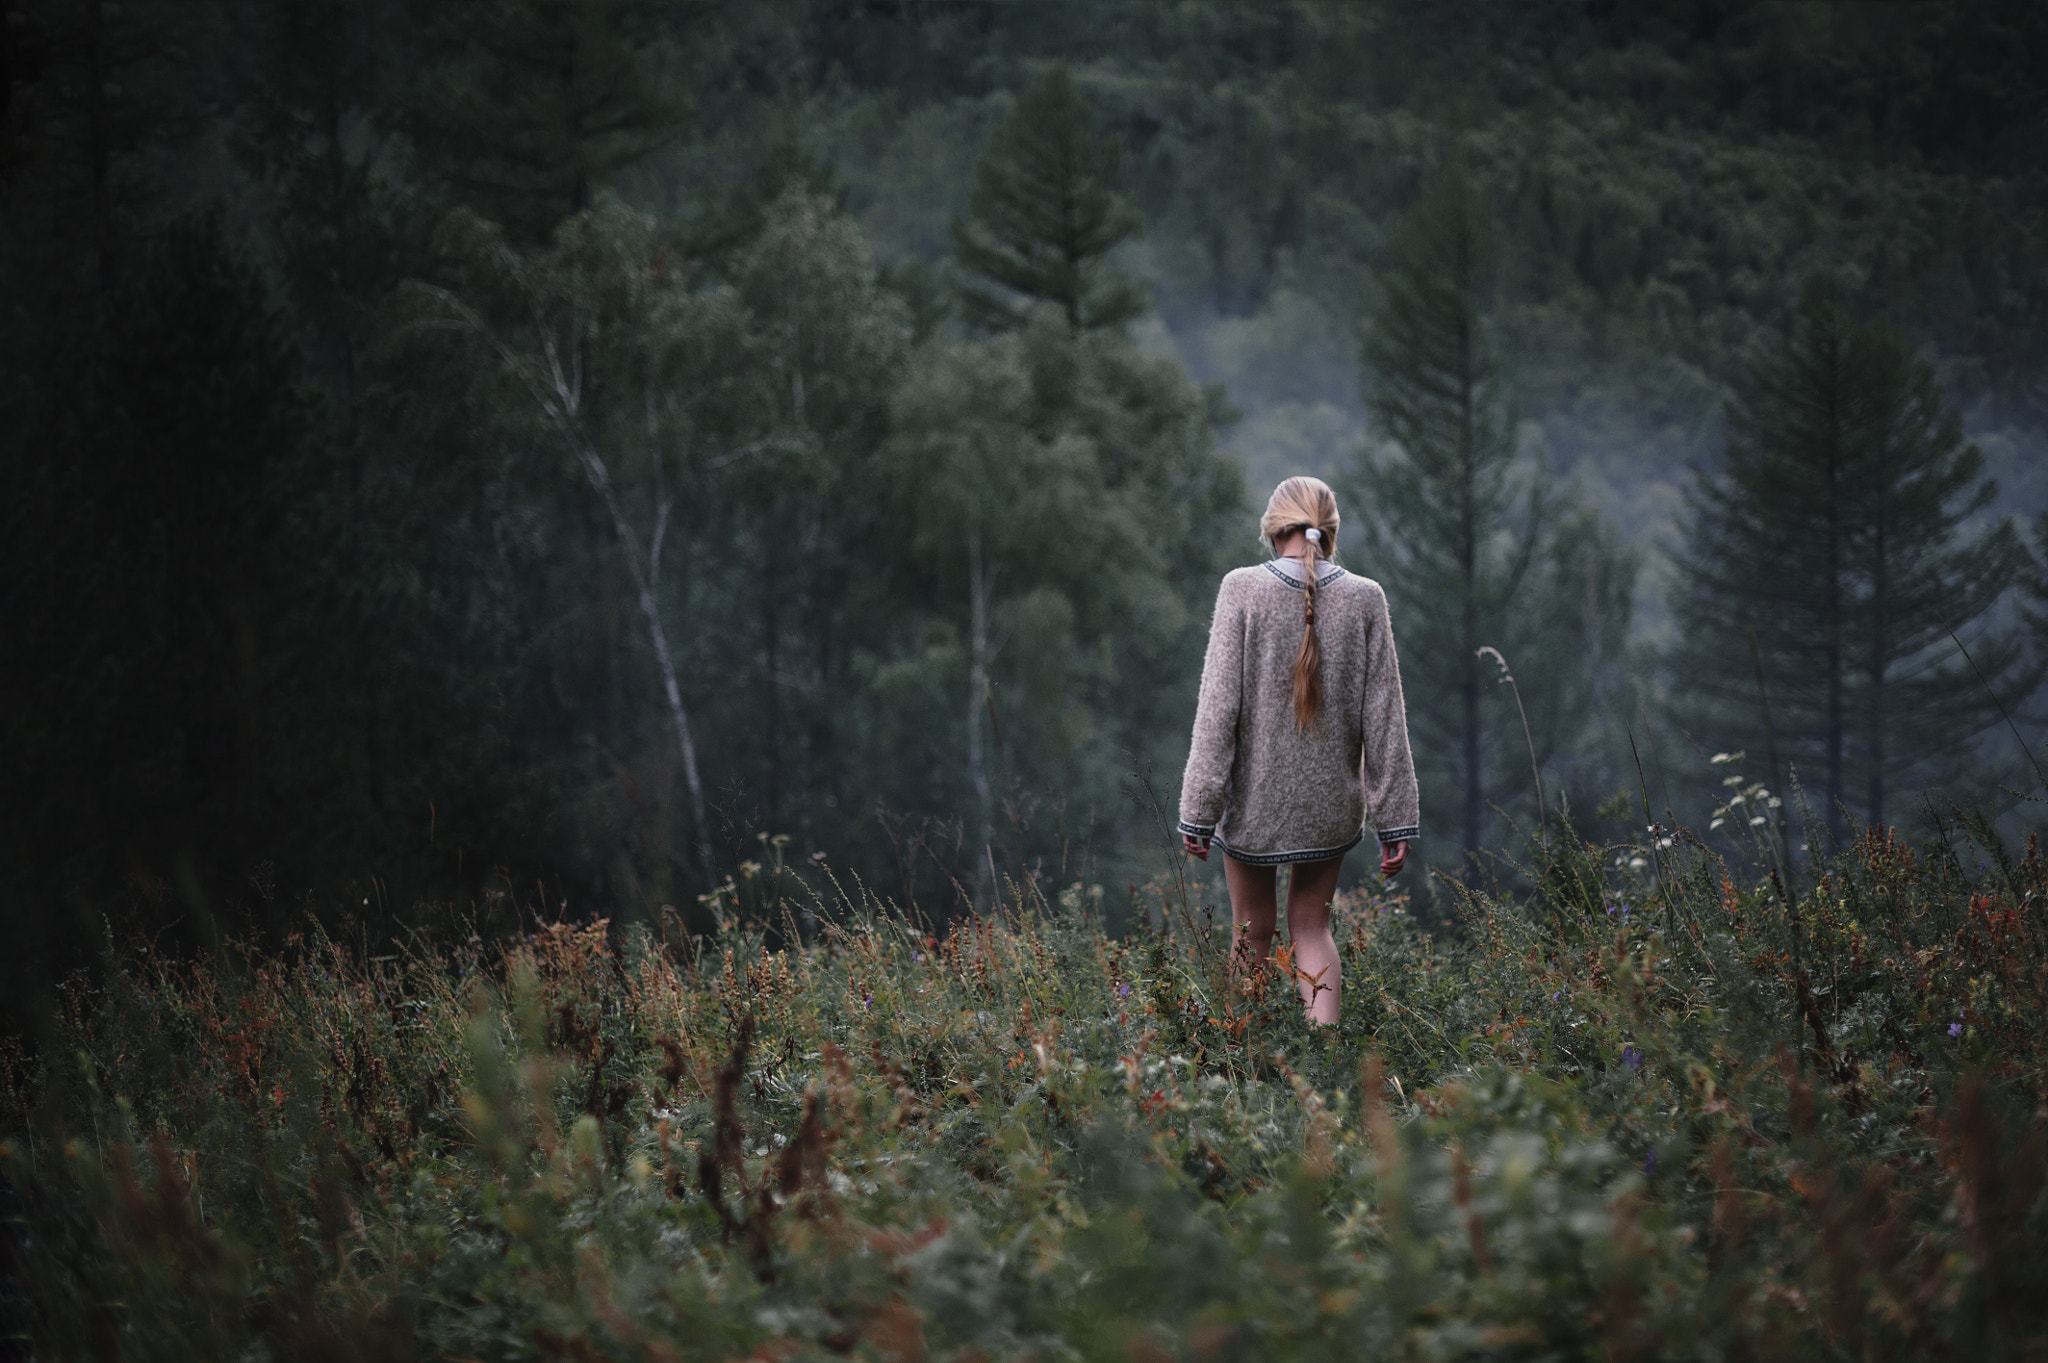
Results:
<point x="1198" y="848"/>
<point x="1392" y="858"/>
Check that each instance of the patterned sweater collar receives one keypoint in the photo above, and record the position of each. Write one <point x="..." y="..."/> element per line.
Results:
<point x="1290" y="572"/>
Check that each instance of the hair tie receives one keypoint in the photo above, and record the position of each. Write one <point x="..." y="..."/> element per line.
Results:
<point x="1315" y="536"/>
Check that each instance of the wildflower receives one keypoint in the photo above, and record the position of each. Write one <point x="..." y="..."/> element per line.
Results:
<point x="1632" y="1057"/>
<point x="1123" y="991"/>
<point x="1611" y="909"/>
<point x="1650" y="1163"/>
<point x="1625" y="911"/>
<point x="870" y="1002"/>
<point x="1558" y="995"/>
<point x="1955" y="1029"/>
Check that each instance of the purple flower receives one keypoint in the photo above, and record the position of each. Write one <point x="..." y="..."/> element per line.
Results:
<point x="1558" y="995"/>
<point x="1955" y="1029"/>
<point x="1624" y="911"/>
<point x="1650" y="1162"/>
<point x="1123" y="991"/>
<point x="870" y="1002"/>
<point x="1632" y="1057"/>
<point x="1610" y="910"/>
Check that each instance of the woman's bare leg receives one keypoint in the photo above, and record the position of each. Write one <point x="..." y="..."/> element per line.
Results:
<point x="1254" y="908"/>
<point x="1311" y="885"/>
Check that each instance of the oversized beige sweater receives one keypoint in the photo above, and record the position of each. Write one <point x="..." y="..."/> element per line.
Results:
<point x="1260" y="788"/>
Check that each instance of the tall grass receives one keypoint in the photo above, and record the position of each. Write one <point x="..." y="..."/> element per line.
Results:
<point x="1644" y="1110"/>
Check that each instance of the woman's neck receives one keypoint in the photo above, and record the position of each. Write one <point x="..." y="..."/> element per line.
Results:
<point x="1294" y="546"/>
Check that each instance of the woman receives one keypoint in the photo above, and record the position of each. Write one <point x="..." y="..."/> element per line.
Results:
<point x="1300" y="736"/>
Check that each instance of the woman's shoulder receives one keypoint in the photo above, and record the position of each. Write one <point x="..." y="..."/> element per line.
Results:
<point x="1239" y="581"/>
<point x="1355" y="581"/>
<point x="1356" y="585"/>
<point x="1266" y="578"/>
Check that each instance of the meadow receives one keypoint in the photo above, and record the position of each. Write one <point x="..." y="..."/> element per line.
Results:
<point x="1655" y="1100"/>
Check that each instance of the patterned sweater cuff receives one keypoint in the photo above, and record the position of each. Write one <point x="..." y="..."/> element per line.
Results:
<point x="1408" y="834"/>
<point x="1205" y="831"/>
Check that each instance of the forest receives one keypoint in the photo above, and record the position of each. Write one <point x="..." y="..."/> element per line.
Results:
<point x="602" y="602"/>
<point x="532" y="452"/>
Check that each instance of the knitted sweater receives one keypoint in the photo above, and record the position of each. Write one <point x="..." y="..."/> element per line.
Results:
<point x="1260" y="788"/>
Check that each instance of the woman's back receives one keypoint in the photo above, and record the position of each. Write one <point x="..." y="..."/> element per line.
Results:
<point x="1263" y="785"/>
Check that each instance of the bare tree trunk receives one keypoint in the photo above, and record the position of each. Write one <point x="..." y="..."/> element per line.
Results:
<point x="977" y="691"/>
<point x="1880" y="603"/>
<point x="1835" y="612"/>
<point x="1468" y="571"/>
<point x="558" y="393"/>
<point x="643" y="572"/>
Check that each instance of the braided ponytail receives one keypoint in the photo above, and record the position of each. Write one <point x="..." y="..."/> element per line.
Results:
<point x="1308" y="664"/>
<point x="1308" y="505"/>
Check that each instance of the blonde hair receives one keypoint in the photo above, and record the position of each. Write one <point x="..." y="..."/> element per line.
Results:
<point x="1303" y="503"/>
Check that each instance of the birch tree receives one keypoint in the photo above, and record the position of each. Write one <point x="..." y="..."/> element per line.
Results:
<point x="584" y="335"/>
<point x="1061" y="496"/>
<point x="982" y="491"/>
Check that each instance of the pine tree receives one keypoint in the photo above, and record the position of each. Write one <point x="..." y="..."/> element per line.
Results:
<point x="1837" y="528"/>
<point x="1044" y="214"/>
<point x="530" y="107"/>
<point x="1449" y="524"/>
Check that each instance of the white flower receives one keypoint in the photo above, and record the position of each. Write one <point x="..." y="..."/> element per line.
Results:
<point x="1757" y="820"/>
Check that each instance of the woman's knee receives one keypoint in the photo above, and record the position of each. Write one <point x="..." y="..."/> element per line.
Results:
<point x="1308" y="918"/>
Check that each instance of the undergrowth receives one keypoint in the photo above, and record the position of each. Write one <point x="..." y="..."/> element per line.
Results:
<point x="1657" y="1106"/>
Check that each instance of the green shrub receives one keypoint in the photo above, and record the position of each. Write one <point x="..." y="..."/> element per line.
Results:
<point x="1641" y="1110"/>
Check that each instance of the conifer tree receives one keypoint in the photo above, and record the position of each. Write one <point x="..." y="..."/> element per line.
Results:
<point x="1044" y="214"/>
<point x="1448" y="526"/>
<point x="530" y="109"/>
<point x="1837" y="527"/>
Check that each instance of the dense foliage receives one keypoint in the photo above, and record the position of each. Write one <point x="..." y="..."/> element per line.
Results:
<point x="459" y="449"/>
<point x="1660" y="1106"/>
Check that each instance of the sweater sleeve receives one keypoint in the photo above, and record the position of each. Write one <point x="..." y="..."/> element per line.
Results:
<point x="1214" y="745"/>
<point x="1392" y="801"/>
